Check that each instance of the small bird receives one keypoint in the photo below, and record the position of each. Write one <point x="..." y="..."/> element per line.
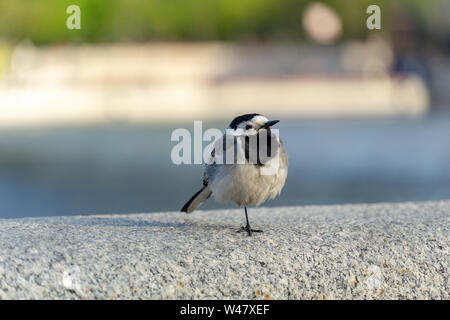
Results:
<point x="256" y="171"/>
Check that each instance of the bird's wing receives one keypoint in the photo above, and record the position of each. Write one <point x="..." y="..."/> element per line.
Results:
<point x="228" y="149"/>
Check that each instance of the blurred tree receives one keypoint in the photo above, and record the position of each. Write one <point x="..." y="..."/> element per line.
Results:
<point x="43" y="21"/>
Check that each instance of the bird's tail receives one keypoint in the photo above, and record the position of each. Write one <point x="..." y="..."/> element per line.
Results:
<point x="197" y="199"/>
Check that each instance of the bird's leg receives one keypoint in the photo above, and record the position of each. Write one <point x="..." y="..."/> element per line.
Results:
<point x="247" y="227"/>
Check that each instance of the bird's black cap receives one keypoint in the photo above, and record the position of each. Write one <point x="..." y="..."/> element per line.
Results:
<point x="245" y="117"/>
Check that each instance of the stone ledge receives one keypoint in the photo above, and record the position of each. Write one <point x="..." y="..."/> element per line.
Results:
<point x="380" y="251"/>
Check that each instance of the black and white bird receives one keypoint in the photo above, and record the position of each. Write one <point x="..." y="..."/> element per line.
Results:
<point x="247" y="166"/>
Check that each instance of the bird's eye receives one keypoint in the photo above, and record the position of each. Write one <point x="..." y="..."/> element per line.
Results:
<point x="248" y="127"/>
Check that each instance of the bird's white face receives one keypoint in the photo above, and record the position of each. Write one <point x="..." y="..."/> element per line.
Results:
<point x="247" y="125"/>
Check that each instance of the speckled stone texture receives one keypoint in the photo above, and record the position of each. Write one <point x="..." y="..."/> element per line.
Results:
<point x="382" y="251"/>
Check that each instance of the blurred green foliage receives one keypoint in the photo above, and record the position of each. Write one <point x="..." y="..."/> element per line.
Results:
<point x="44" y="21"/>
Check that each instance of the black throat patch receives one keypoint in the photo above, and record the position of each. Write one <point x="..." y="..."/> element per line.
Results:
<point x="267" y="149"/>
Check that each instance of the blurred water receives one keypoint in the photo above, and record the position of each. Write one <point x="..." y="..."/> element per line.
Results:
<point x="125" y="169"/>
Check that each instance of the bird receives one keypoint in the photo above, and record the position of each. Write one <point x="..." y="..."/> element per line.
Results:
<point x="246" y="178"/>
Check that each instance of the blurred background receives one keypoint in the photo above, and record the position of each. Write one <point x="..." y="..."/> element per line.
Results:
<point x="86" y="115"/>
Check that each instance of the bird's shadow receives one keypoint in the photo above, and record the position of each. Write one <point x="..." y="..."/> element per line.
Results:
<point x="124" y="222"/>
<point x="99" y="221"/>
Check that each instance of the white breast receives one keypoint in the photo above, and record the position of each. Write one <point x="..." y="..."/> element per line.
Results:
<point x="247" y="184"/>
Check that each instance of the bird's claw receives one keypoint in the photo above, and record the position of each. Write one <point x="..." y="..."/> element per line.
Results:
<point x="249" y="230"/>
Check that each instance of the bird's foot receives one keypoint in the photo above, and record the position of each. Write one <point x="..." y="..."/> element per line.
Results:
<point x="248" y="230"/>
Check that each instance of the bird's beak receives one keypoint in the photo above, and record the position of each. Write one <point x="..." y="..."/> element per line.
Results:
<point x="270" y="123"/>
